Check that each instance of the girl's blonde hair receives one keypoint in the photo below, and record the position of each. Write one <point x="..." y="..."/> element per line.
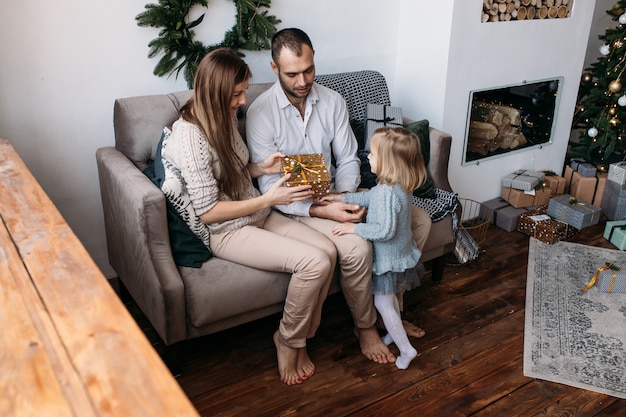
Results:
<point x="399" y="157"/>
<point x="209" y="108"/>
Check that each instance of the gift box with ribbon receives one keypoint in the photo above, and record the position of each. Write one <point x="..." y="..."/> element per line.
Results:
<point x="609" y="278"/>
<point x="614" y="201"/>
<point x="554" y="182"/>
<point x="523" y="179"/>
<point x="573" y="212"/>
<point x="588" y="189"/>
<point x="520" y="198"/>
<point x="615" y="232"/>
<point x="538" y="224"/>
<point x="586" y="169"/>
<point x="617" y="172"/>
<point x="308" y="169"/>
<point x="379" y="115"/>
<point x="488" y="208"/>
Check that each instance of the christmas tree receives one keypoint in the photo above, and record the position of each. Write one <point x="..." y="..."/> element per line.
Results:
<point x="601" y="106"/>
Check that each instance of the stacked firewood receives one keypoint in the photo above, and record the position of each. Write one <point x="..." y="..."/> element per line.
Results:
<point x="503" y="10"/>
<point x="493" y="127"/>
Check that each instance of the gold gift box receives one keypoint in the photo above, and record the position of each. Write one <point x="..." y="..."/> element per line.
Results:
<point x="538" y="224"/>
<point x="308" y="169"/>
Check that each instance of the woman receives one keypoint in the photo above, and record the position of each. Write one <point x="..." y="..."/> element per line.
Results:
<point x="206" y="148"/>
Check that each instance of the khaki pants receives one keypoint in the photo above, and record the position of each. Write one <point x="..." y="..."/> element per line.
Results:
<point x="355" y="265"/>
<point x="284" y="245"/>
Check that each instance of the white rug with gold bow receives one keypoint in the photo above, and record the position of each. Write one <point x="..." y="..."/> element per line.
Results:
<point x="571" y="336"/>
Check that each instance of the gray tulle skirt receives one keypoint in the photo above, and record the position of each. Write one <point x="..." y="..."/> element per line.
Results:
<point x="394" y="282"/>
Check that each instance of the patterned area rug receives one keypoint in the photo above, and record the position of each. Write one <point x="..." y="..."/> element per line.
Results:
<point x="573" y="337"/>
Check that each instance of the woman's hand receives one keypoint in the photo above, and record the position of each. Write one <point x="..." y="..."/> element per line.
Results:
<point x="272" y="164"/>
<point x="279" y="194"/>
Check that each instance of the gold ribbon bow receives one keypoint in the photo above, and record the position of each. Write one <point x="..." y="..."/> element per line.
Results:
<point x="594" y="278"/>
<point x="574" y="202"/>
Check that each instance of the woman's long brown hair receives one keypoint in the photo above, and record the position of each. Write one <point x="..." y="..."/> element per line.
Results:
<point x="209" y="108"/>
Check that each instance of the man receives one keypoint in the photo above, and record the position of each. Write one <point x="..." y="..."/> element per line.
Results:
<point x="298" y="116"/>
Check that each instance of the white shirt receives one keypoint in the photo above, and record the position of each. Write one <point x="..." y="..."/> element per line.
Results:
<point x="273" y="124"/>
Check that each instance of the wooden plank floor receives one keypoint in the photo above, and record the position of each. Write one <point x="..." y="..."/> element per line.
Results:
<point x="469" y="362"/>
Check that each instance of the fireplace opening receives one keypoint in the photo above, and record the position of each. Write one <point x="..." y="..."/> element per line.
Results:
<point x="511" y="118"/>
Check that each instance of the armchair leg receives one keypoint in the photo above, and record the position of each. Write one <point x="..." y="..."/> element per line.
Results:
<point x="172" y="356"/>
<point x="437" y="265"/>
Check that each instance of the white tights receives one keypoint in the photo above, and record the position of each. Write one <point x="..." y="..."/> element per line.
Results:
<point x="387" y="306"/>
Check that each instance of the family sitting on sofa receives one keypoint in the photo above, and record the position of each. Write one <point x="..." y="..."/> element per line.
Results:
<point x="275" y="227"/>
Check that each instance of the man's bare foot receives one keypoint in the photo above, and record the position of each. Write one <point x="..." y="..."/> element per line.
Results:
<point x="304" y="365"/>
<point x="412" y="330"/>
<point x="373" y="347"/>
<point x="287" y="358"/>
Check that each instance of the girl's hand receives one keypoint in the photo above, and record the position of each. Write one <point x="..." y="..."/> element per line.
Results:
<point x="272" y="164"/>
<point x="343" y="228"/>
<point x="330" y="198"/>
<point x="279" y="194"/>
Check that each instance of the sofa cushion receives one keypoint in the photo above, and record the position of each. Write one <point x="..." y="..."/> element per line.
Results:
<point x="187" y="249"/>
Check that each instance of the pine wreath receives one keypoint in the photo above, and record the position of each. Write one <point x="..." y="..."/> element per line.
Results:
<point x="252" y="31"/>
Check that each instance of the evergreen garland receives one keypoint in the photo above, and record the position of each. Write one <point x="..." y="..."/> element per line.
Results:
<point x="601" y="105"/>
<point x="252" y="31"/>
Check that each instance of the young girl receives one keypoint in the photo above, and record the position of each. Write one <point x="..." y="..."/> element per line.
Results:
<point x="396" y="158"/>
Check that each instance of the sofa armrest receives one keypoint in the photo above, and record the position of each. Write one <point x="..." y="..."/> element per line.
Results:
<point x="135" y="219"/>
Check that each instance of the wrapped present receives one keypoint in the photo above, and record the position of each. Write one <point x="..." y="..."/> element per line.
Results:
<point x="379" y="115"/>
<point x="615" y="232"/>
<point x="586" y="169"/>
<point x="519" y="198"/>
<point x="573" y="212"/>
<point x="538" y="224"/>
<point x="507" y="217"/>
<point x="609" y="278"/>
<point x="614" y="201"/>
<point x="617" y="172"/>
<point x="488" y="208"/>
<point x="554" y="182"/>
<point x="308" y="169"/>
<point x="587" y="189"/>
<point x="523" y="179"/>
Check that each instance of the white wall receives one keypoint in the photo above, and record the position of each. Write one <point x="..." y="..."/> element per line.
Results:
<point x="484" y="55"/>
<point x="63" y="66"/>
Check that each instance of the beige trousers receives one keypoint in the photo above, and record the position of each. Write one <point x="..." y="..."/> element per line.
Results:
<point x="281" y="244"/>
<point x="355" y="265"/>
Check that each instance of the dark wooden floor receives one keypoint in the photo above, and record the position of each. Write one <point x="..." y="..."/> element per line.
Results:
<point x="469" y="362"/>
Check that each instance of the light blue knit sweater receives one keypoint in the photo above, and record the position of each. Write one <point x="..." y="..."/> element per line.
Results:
<point x="388" y="226"/>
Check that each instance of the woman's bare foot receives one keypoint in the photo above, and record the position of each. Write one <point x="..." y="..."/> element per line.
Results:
<point x="304" y="365"/>
<point x="373" y="347"/>
<point x="287" y="358"/>
<point x="412" y="330"/>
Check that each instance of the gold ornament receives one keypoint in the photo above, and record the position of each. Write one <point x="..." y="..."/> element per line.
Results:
<point x="614" y="121"/>
<point x="612" y="111"/>
<point x="616" y="10"/>
<point x="615" y="86"/>
<point x="586" y="77"/>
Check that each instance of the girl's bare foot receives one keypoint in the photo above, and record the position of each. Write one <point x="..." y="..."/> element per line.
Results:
<point x="305" y="366"/>
<point x="287" y="359"/>
<point x="373" y="347"/>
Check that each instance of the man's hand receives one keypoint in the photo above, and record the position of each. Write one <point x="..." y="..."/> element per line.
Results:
<point x="340" y="212"/>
